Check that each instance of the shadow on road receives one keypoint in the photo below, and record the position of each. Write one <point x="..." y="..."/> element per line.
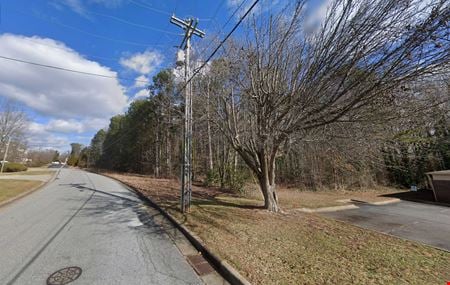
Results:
<point x="115" y="209"/>
<point x="421" y="196"/>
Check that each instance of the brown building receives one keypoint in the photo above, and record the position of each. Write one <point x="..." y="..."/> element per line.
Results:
<point x="440" y="184"/>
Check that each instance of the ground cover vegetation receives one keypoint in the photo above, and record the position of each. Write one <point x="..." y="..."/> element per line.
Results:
<point x="358" y="99"/>
<point x="294" y="247"/>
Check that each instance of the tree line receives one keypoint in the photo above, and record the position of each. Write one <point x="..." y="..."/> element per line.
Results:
<point x="360" y="98"/>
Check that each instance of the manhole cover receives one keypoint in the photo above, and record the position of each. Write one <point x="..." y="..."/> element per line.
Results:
<point x="64" y="276"/>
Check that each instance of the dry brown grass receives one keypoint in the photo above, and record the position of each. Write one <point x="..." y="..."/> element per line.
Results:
<point x="290" y="198"/>
<point x="296" y="248"/>
<point x="10" y="188"/>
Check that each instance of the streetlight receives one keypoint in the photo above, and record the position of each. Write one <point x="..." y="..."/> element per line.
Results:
<point x="6" y="152"/>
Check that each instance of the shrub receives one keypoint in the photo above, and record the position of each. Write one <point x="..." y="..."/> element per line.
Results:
<point x="235" y="180"/>
<point x="212" y="178"/>
<point x="14" y="167"/>
<point x="228" y="178"/>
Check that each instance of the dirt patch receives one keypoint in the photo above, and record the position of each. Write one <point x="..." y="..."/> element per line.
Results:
<point x="295" y="248"/>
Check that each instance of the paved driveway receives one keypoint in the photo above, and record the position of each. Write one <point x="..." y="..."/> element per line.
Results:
<point x="425" y="223"/>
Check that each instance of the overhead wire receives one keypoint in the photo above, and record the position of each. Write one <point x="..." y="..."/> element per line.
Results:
<point x="68" y="69"/>
<point x="68" y="48"/>
<point x="116" y="77"/>
<point x="131" y="23"/>
<point x="223" y="26"/>
<point x="220" y="45"/>
<point x="217" y="9"/>
<point x="53" y="21"/>
<point x="202" y="66"/>
<point x="127" y="131"/>
<point x="148" y="7"/>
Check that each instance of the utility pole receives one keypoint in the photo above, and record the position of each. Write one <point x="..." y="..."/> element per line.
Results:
<point x="5" y="154"/>
<point x="190" y="28"/>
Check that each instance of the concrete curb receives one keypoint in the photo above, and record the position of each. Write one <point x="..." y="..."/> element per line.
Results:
<point x="224" y="268"/>
<point x="346" y="207"/>
<point x="327" y="209"/>
<point x="42" y="185"/>
<point x="384" y="202"/>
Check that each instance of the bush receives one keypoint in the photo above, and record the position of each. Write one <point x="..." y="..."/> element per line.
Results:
<point x="231" y="179"/>
<point x="212" y="178"/>
<point x="14" y="167"/>
<point x="235" y="180"/>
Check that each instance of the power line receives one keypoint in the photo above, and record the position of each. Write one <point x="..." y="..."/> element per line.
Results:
<point x="220" y="45"/>
<point x="131" y="23"/>
<point x="53" y="21"/>
<point x="69" y="70"/>
<point x="223" y="26"/>
<point x="67" y="48"/>
<point x="217" y="9"/>
<point x="148" y="7"/>
<point x="167" y="24"/>
<point x="128" y="130"/>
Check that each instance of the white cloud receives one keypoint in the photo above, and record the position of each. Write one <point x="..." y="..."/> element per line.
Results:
<point x="73" y="105"/>
<point x="108" y="3"/>
<point x="75" y="5"/>
<point x="58" y="133"/>
<point x="143" y="63"/>
<point x="141" y="94"/>
<point x="67" y="126"/>
<point x="53" y="92"/>
<point x="79" y="6"/>
<point x="40" y="137"/>
<point x="141" y="81"/>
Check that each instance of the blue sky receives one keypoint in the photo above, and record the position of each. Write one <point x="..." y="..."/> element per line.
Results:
<point x="130" y="39"/>
<point x="127" y="39"/>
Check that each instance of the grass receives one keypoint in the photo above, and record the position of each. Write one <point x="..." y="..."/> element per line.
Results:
<point x="10" y="188"/>
<point x="36" y="172"/>
<point x="32" y="171"/>
<point x="296" y="248"/>
<point x="292" y="198"/>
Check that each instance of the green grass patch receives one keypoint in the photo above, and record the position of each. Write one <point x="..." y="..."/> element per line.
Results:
<point x="14" y="167"/>
<point x="11" y="188"/>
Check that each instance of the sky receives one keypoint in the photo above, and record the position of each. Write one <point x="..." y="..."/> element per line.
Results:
<point x="128" y="41"/>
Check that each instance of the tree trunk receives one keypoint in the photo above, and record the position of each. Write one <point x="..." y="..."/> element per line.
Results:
<point x="268" y="190"/>
<point x="210" y="152"/>
<point x="266" y="180"/>
<point x="157" y="155"/>
<point x="168" y="146"/>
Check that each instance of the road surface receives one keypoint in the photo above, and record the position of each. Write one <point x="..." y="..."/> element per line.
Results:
<point x="425" y="223"/>
<point x="91" y="222"/>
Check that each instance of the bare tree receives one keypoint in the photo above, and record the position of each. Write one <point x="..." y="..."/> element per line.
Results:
<point x="290" y="79"/>
<point x="13" y="122"/>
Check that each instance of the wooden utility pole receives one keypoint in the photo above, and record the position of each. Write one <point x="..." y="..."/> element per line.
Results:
<point x="190" y="27"/>
<point x="5" y="155"/>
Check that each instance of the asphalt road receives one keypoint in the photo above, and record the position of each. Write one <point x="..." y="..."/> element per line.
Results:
<point x="425" y="223"/>
<point x="92" y="222"/>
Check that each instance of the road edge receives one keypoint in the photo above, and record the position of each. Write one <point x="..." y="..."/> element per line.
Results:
<point x="227" y="271"/>
<point x="388" y="234"/>
<point x="32" y="190"/>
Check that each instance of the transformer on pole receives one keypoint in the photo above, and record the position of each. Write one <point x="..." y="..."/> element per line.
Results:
<point x="190" y="28"/>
